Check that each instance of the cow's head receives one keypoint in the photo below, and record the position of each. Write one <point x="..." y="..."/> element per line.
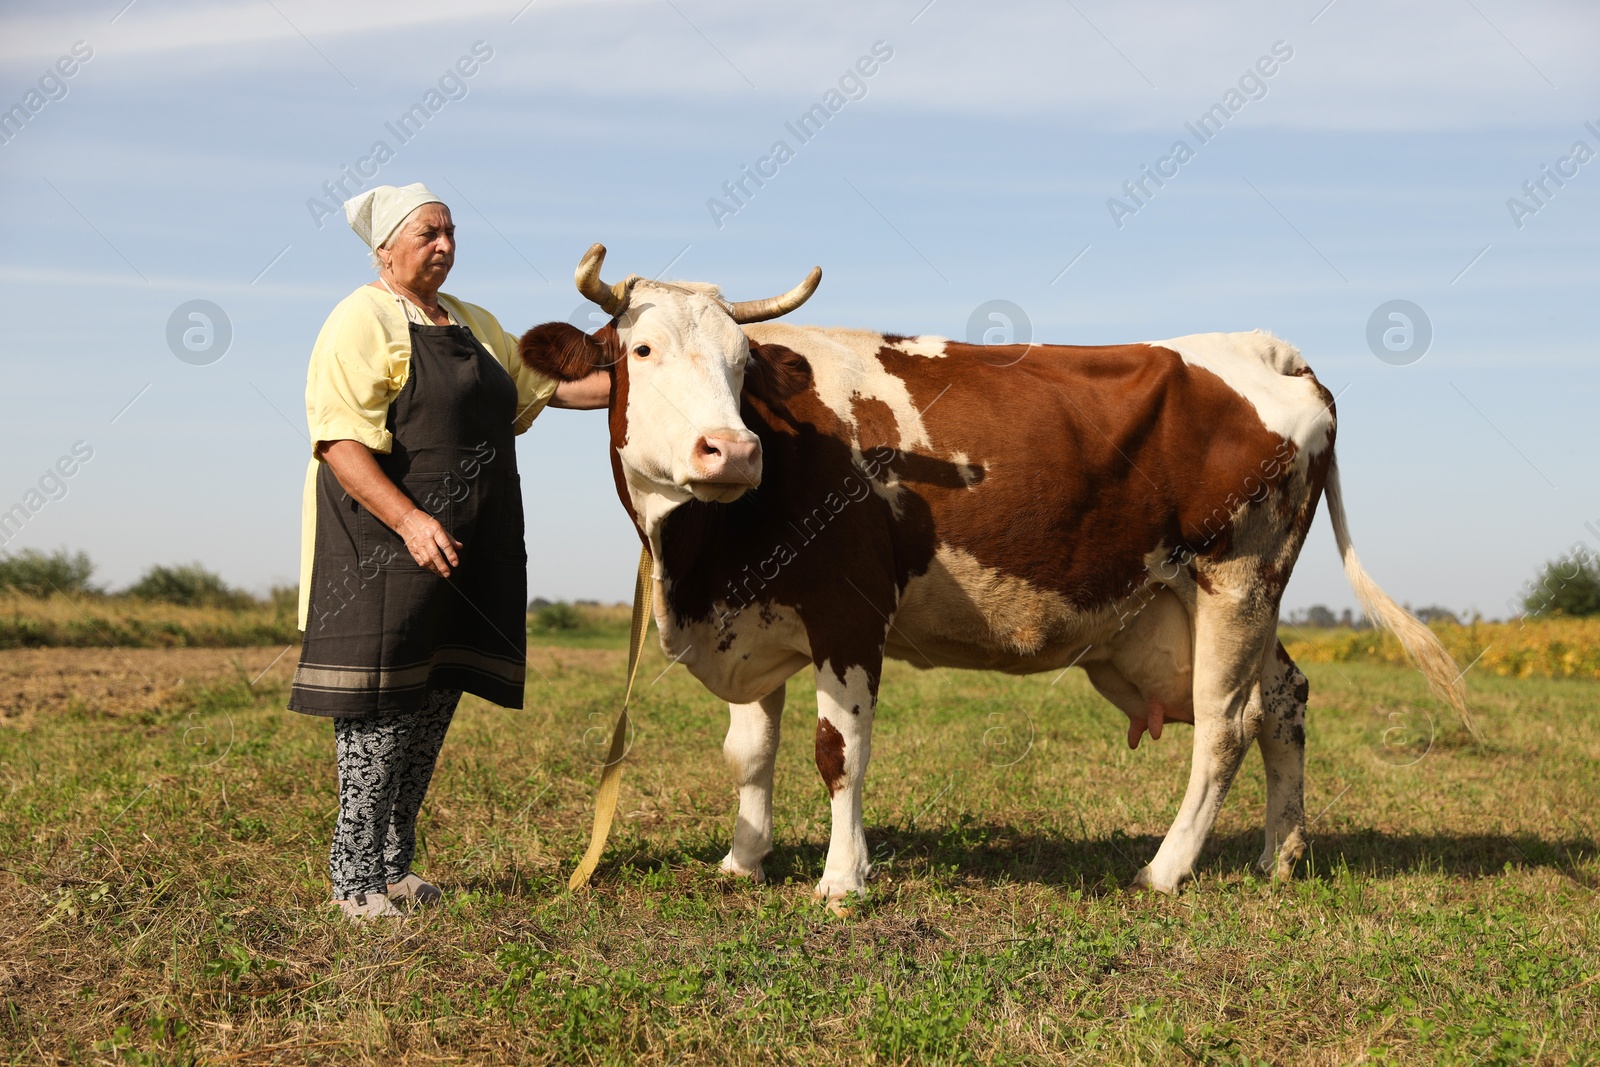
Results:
<point x="677" y="359"/>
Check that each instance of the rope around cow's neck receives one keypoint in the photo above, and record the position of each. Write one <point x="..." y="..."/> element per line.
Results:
<point x="605" y="800"/>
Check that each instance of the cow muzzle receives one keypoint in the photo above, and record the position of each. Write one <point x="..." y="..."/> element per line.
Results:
<point x="725" y="464"/>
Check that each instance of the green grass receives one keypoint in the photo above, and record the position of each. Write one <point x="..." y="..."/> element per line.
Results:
<point x="162" y="887"/>
<point x="593" y="626"/>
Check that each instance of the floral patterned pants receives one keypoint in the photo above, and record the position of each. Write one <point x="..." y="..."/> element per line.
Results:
<point x="385" y="765"/>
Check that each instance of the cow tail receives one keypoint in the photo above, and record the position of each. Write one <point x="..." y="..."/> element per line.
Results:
<point x="1419" y="642"/>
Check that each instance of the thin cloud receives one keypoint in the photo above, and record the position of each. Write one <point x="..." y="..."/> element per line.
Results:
<point x="165" y="28"/>
<point x="1425" y="64"/>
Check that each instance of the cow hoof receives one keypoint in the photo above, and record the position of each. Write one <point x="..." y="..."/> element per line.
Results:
<point x="732" y="867"/>
<point x="841" y="904"/>
<point x="1279" y="865"/>
<point x="1274" y="867"/>
<point x="1146" y="879"/>
<point x="839" y="898"/>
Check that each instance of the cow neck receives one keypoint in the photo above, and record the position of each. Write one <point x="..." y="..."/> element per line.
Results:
<point x="652" y="509"/>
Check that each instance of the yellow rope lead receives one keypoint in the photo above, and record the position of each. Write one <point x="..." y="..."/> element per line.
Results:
<point x="605" y="801"/>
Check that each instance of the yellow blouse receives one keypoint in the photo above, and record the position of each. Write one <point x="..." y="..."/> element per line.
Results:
<point x="358" y="365"/>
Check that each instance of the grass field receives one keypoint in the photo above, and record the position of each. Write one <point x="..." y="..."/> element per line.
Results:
<point x="98" y="621"/>
<point x="1533" y="648"/>
<point x="88" y="621"/>
<point x="163" y="827"/>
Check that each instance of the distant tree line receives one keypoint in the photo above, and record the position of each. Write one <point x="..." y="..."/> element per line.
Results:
<point x="1564" y="587"/>
<point x="1322" y="617"/>
<point x="34" y="573"/>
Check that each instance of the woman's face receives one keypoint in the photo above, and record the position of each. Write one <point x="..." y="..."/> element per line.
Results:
<point x="422" y="251"/>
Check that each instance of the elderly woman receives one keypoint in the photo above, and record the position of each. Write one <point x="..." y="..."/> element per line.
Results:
<point x="414" y="574"/>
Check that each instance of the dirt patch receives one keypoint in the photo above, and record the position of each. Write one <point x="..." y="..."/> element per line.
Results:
<point x="123" y="681"/>
<point x="119" y="681"/>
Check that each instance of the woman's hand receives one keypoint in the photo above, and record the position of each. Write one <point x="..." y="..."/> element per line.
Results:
<point x="429" y="543"/>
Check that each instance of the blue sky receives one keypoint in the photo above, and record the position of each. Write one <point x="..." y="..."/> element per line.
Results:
<point x="1375" y="164"/>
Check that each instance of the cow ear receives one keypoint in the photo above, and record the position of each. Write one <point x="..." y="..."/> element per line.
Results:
<point x="561" y="351"/>
<point x="776" y="373"/>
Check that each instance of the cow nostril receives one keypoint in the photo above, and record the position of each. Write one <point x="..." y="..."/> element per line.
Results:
<point x="704" y="447"/>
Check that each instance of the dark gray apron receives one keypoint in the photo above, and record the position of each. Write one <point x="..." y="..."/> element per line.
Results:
<point x="382" y="630"/>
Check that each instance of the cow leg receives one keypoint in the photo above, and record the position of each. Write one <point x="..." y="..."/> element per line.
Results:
<point x="751" y="749"/>
<point x="845" y="710"/>
<point x="1232" y="632"/>
<point x="1283" y="751"/>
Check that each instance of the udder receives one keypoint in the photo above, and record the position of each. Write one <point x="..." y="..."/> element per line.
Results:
<point x="1149" y="672"/>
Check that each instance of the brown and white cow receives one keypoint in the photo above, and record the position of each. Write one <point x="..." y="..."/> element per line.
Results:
<point x="827" y="497"/>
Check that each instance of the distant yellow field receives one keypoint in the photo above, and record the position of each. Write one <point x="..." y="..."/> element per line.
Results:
<point x="1536" y="648"/>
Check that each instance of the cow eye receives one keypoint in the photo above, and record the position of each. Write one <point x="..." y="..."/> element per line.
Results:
<point x="642" y="351"/>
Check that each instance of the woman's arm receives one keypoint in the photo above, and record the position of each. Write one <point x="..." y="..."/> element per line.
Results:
<point x="585" y="394"/>
<point x="429" y="543"/>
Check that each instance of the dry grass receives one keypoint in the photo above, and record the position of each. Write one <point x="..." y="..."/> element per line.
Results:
<point x="147" y="682"/>
<point x="123" y="622"/>
<point x="162" y="883"/>
<point x="60" y="621"/>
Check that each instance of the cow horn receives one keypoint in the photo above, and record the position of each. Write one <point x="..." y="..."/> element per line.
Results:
<point x="611" y="298"/>
<point x="761" y="310"/>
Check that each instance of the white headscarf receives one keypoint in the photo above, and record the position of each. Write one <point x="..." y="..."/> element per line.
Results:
<point x="378" y="212"/>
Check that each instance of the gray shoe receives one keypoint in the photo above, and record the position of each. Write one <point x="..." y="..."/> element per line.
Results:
<point x="413" y="891"/>
<point x="364" y="907"/>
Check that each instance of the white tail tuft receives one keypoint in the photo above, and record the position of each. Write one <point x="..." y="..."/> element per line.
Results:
<point x="1418" y="641"/>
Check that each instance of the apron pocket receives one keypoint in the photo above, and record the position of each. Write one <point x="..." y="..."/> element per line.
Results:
<point x="381" y="547"/>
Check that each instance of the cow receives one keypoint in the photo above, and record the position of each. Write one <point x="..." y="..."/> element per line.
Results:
<point x="827" y="497"/>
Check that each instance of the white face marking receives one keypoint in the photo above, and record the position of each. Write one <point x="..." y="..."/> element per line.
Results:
<point x="1260" y="368"/>
<point x="686" y="361"/>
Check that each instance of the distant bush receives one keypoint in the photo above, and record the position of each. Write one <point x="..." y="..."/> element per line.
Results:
<point x="36" y="574"/>
<point x="1567" y="586"/>
<point x="1316" y="615"/>
<point x="285" y="599"/>
<point x="1435" y="613"/>
<point x="559" y="616"/>
<point x="1321" y="617"/>
<point x="190" y="585"/>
